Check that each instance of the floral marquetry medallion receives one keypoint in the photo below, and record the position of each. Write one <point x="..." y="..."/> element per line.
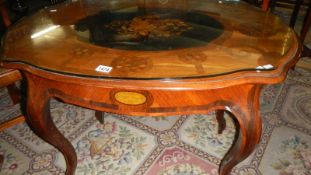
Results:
<point x="130" y="98"/>
<point x="81" y="51"/>
<point x="159" y="28"/>
<point x="124" y="65"/>
<point x="149" y="26"/>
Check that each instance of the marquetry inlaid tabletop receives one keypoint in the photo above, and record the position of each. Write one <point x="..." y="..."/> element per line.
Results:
<point x="150" y="39"/>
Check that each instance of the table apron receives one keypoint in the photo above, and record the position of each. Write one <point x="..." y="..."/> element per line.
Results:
<point x="139" y="101"/>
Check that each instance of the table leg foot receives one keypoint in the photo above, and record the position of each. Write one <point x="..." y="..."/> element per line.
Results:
<point x="39" y="119"/>
<point x="100" y="116"/>
<point x="220" y="116"/>
<point x="248" y="131"/>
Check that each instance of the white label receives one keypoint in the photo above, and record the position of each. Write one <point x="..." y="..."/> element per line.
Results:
<point x="102" y="68"/>
<point x="267" y="66"/>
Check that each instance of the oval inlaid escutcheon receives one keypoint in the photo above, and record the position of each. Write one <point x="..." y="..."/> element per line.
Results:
<point x="130" y="98"/>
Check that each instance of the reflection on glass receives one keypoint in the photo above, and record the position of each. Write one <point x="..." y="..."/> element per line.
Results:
<point x="44" y="31"/>
<point x="149" y="29"/>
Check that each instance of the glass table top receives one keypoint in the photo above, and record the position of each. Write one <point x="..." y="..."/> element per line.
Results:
<point x="149" y="29"/>
<point x="149" y="39"/>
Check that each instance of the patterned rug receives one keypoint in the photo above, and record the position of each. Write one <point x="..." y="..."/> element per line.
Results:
<point x="175" y="145"/>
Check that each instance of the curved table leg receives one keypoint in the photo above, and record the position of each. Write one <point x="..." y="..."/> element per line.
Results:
<point x="248" y="124"/>
<point x="39" y="119"/>
<point x="220" y="116"/>
<point x="100" y="116"/>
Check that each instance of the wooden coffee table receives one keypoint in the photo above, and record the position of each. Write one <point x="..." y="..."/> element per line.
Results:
<point x="151" y="58"/>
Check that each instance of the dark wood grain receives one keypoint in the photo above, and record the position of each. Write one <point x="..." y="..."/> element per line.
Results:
<point x="248" y="125"/>
<point x="221" y="121"/>
<point x="39" y="119"/>
<point x="100" y="116"/>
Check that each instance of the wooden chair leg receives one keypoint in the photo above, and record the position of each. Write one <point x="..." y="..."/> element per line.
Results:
<point x="306" y="25"/>
<point x="14" y="93"/>
<point x="293" y="18"/>
<point x="306" y="52"/>
<point x="272" y="5"/>
<point x="1" y="160"/>
<point x="265" y="5"/>
<point x="12" y="122"/>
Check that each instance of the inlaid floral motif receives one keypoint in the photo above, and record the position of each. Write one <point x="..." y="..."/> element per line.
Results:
<point x="125" y="65"/>
<point x="81" y="51"/>
<point x="196" y="58"/>
<point x="293" y="158"/>
<point x="193" y="58"/>
<point x="149" y="26"/>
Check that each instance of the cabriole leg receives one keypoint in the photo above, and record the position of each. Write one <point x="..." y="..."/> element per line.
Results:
<point x="39" y="119"/>
<point x="248" y="124"/>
